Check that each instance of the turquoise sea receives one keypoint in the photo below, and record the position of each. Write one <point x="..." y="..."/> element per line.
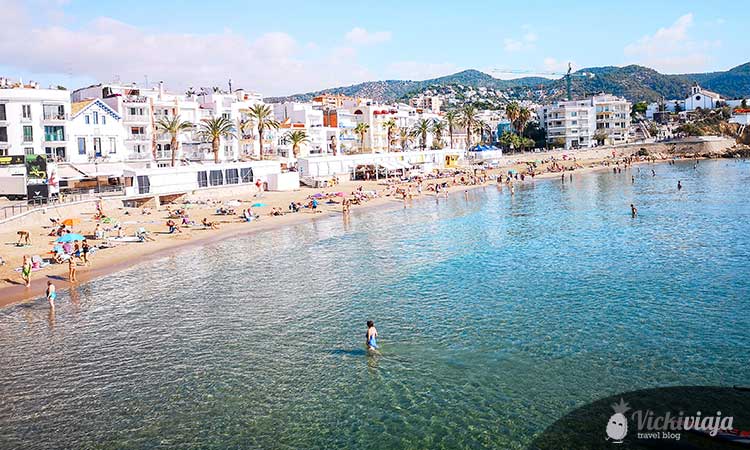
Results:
<point x="497" y="315"/>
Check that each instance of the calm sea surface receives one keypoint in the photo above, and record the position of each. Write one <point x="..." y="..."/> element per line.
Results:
<point x="497" y="315"/>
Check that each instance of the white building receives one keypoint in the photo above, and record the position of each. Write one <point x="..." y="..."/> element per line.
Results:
<point x="578" y="123"/>
<point x="96" y="133"/>
<point x="429" y="103"/>
<point x="612" y="118"/>
<point x="569" y="123"/>
<point x="33" y="120"/>
<point x="701" y="98"/>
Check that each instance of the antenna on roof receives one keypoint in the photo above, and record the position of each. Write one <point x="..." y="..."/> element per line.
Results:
<point x="230" y="85"/>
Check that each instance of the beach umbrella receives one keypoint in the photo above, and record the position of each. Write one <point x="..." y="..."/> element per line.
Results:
<point x="258" y="205"/>
<point x="71" y="222"/>
<point x="70" y="237"/>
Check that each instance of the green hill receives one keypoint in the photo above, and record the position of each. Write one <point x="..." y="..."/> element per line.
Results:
<point x="636" y="83"/>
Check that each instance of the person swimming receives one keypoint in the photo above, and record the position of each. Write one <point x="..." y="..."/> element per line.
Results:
<point x="372" y="333"/>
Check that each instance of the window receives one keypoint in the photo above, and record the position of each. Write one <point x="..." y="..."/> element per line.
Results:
<point x="144" y="184"/>
<point x="54" y="133"/>
<point x="81" y="146"/>
<point x="202" y="179"/>
<point x="112" y="143"/>
<point x="26" y="111"/>
<point x="54" y="112"/>
<point x="28" y="150"/>
<point x="575" y="122"/>
<point x="246" y="173"/>
<point x="3" y="134"/>
<point x="137" y="131"/>
<point x="3" y="152"/>
<point x="2" y="111"/>
<point x="104" y="119"/>
<point x="574" y="113"/>
<point x="96" y="118"/>
<point x="87" y="119"/>
<point x="225" y="115"/>
<point x="137" y="148"/>
<point x="98" y="147"/>
<point x="217" y="178"/>
<point x="232" y="176"/>
<point x="28" y="133"/>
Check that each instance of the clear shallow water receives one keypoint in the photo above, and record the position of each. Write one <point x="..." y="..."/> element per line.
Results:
<point x="497" y="316"/>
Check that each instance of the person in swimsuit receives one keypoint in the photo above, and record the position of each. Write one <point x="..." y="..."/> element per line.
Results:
<point x="72" y="270"/>
<point x="26" y="270"/>
<point x="85" y="251"/>
<point x="633" y="211"/>
<point x="51" y="294"/>
<point x="372" y="333"/>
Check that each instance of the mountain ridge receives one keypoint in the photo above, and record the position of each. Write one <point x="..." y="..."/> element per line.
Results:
<point x="634" y="82"/>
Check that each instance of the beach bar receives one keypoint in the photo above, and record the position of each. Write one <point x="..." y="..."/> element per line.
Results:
<point x="184" y="179"/>
<point x="328" y="166"/>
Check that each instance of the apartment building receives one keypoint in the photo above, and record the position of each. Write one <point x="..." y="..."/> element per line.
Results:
<point x="427" y="103"/>
<point x="612" y="119"/>
<point x="33" y="120"/>
<point x="601" y="119"/>
<point x="96" y="131"/>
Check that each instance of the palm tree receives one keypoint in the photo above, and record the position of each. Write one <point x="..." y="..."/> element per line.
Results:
<point x="173" y="126"/>
<point x="511" y="112"/>
<point x="469" y="119"/>
<point x="483" y="129"/>
<point x="438" y="128"/>
<point x="452" y="119"/>
<point x="420" y="130"/>
<point x="296" y="138"/>
<point x="390" y="127"/>
<point x="214" y="129"/>
<point x="404" y="137"/>
<point x="262" y="115"/>
<point x="361" y="129"/>
<point x="522" y="118"/>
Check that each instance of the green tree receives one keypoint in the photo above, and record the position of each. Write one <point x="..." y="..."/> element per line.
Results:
<point x="174" y="127"/>
<point x="213" y="130"/>
<point x="390" y="128"/>
<point x="438" y="128"/>
<point x="404" y="136"/>
<point x="262" y="116"/>
<point x="469" y="119"/>
<point x="522" y="118"/>
<point x="511" y="112"/>
<point x="510" y="140"/>
<point x="361" y="129"/>
<point x="677" y="107"/>
<point x="420" y="130"/>
<point x="452" y="119"/>
<point x="638" y="108"/>
<point x="296" y="138"/>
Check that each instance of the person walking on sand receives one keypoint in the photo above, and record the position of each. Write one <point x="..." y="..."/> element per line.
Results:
<point x="72" y="270"/>
<point x="370" y="337"/>
<point x="51" y="294"/>
<point x="633" y="211"/>
<point x="26" y="270"/>
<point x="85" y="252"/>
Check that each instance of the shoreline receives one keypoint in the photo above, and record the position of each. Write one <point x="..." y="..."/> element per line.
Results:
<point x="14" y="292"/>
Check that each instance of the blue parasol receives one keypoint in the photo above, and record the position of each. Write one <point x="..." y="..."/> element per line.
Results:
<point x="70" y="237"/>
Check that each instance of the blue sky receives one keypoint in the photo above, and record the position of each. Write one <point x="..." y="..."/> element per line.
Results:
<point x="296" y="46"/>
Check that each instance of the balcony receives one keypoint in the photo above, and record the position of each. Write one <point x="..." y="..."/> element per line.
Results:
<point x="138" y="138"/>
<point x="55" y="117"/>
<point x="138" y="118"/>
<point x="134" y="99"/>
<point x="138" y="156"/>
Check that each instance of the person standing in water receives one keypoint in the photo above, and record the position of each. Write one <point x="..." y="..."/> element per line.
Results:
<point x="679" y="185"/>
<point x="51" y="294"/>
<point x="633" y="211"/>
<point x="26" y="270"/>
<point x="71" y="270"/>
<point x="372" y="333"/>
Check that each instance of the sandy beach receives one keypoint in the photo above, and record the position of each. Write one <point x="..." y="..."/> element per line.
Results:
<point x="108" y="260"/>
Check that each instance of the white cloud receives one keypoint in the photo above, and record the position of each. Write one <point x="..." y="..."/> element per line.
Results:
<point x="672" y="49"/>
<point x="415" y="70"/>
<point x="525" y="42"/>
<point x="360" y="36"/>
<point x="273" y="63"/>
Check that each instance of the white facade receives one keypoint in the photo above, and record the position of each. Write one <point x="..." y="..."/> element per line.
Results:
<point x="33" y="120"/>
<point x="96" y="133"/>
<point x="572" y="123"/>
<point x="700" y="98"/>
<point x="576" y="123"/>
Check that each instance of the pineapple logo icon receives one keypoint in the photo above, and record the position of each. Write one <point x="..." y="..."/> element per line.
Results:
<point x="617" y="426"/>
